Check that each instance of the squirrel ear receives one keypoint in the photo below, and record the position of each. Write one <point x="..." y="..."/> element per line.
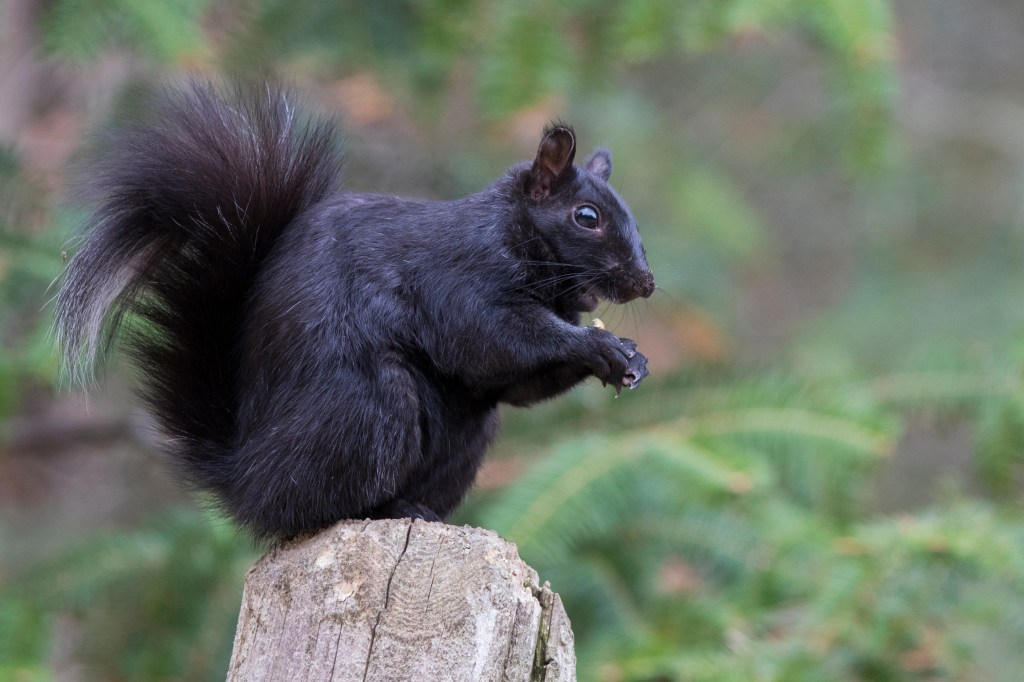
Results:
<point x="600" y="163"/>
<point x="553" y="162"/>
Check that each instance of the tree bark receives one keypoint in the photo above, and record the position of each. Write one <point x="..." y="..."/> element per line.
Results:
<point x="400" y="600"/>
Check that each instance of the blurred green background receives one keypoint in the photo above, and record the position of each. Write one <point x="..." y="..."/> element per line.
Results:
<point x="821" y="480"/>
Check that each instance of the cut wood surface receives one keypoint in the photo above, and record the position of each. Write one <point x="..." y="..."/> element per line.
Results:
<point x="399" y="600"/>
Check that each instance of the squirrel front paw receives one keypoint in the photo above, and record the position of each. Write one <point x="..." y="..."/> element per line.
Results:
<point x="616" y="361"/>
<point x="637" y="369"/>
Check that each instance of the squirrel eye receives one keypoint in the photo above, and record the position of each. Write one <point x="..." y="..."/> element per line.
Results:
<point x="586" y="216"/>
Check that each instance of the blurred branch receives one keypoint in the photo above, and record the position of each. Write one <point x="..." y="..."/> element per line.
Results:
<point x="54" y="433"/>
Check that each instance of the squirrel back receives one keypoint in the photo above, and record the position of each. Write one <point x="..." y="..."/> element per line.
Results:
<point x="315" y="355"/>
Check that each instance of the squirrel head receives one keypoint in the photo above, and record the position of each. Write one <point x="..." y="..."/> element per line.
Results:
<point x="588" y="229"/>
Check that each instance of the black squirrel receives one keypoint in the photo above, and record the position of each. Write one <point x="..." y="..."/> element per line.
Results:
<point x="315" y="355"/>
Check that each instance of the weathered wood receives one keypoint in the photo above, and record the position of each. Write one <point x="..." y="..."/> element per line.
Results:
<point x="400" y="600"/>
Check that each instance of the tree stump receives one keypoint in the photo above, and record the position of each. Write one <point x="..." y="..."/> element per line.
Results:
<point x="399" y="600"/>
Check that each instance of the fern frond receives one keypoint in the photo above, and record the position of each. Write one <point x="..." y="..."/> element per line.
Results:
<point x="590" y="484"/>
<point x="849" y="435"/>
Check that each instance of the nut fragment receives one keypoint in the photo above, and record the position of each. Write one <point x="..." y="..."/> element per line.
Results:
<point x="596" y="322"/>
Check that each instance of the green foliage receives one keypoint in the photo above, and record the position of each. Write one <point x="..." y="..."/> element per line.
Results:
<point x="82" y="29"/>
<point x="516" y="54"/>
<point x="157" y="603"/>
<point x="28" y="264"/>
<point x="735" y="542"/>
<point x="713" y="208"/>
<point x="856" y="37"/>
<point x="1000" y="437"/>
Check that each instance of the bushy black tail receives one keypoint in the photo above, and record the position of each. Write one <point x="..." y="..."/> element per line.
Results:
<point x="188" y="205"/>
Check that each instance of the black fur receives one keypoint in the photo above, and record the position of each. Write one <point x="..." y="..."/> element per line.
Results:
<point x="316" y="355"/>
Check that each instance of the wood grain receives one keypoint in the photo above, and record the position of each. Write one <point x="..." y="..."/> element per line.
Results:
<point x="400" y="600"/>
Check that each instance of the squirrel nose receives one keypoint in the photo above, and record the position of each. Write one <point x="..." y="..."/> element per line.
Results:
<point x="639" y="283"/>
<point x="645" y="284"/>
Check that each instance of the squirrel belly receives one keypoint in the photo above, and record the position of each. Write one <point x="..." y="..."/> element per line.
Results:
<point x="314" y="355"/>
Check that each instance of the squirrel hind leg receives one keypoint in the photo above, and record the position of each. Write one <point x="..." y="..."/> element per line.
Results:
<point x="403" y="509"/>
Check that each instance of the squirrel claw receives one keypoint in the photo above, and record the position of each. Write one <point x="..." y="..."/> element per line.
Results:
<point x="636" y="372"/>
